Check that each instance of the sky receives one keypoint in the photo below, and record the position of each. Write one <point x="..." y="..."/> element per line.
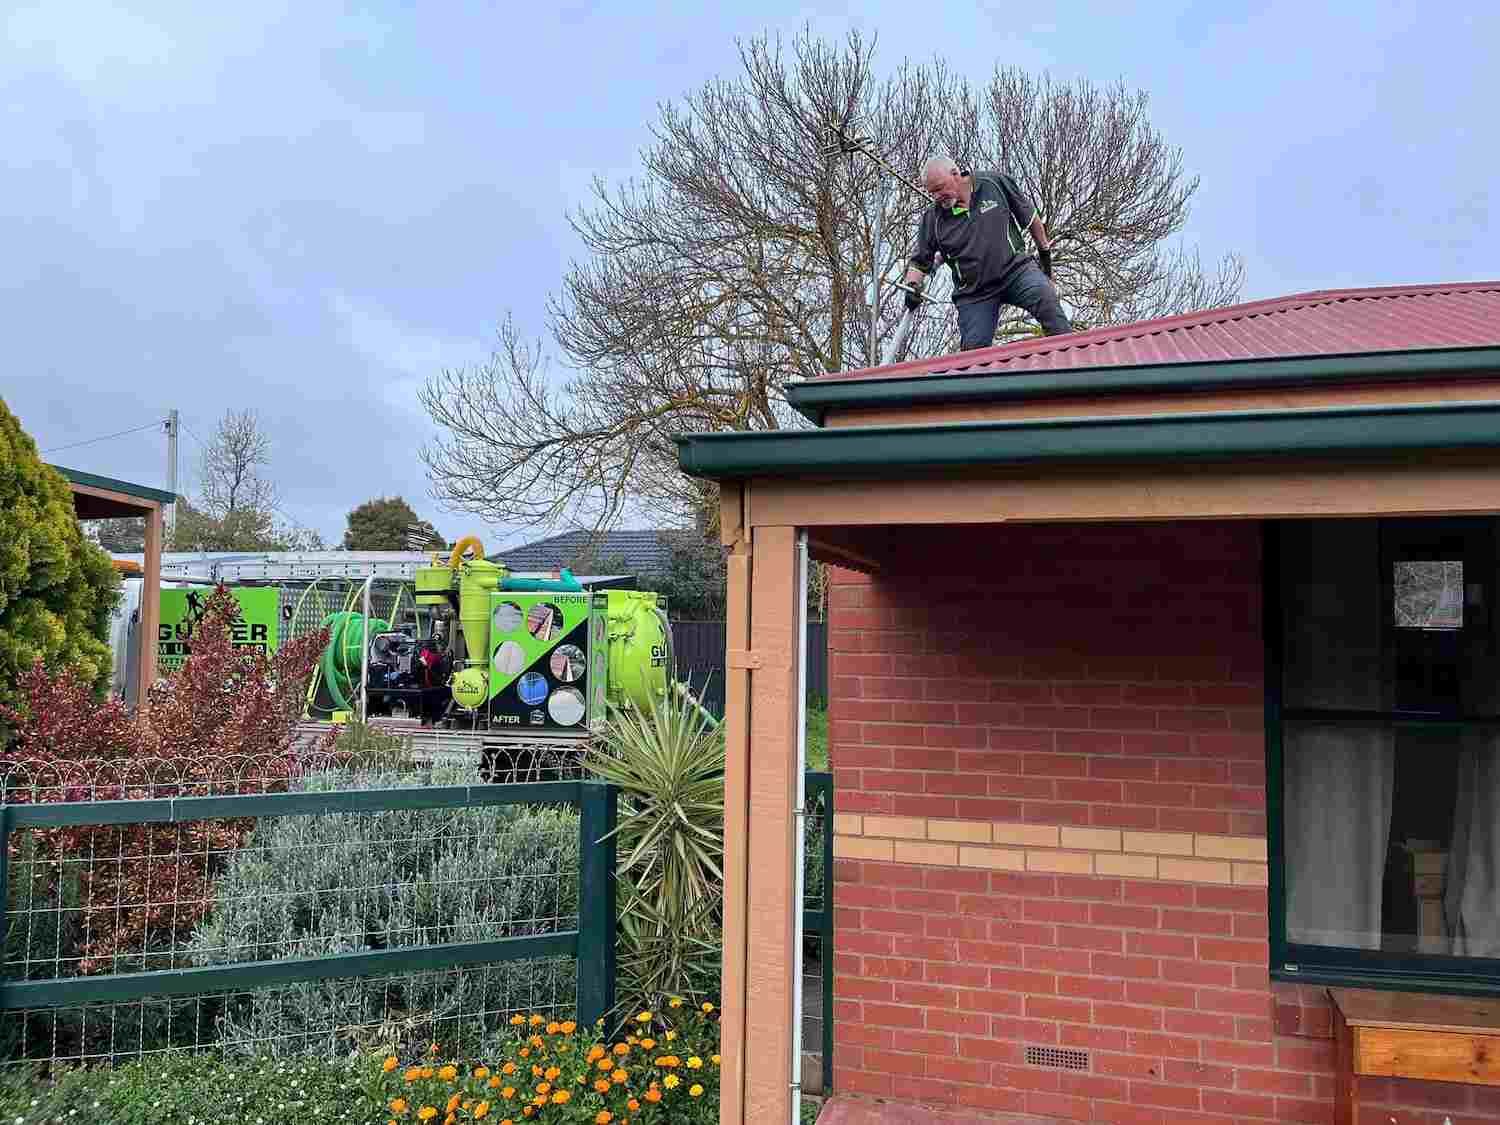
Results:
<point x="307" y="211"/>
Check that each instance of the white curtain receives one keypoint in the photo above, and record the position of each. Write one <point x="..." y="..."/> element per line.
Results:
<point x="1337" y="778"/>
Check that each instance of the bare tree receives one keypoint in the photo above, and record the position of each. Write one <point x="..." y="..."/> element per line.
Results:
<point x="741" y="260"/>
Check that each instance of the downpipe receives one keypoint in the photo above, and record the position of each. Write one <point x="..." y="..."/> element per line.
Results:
<point x="799" y="828"/>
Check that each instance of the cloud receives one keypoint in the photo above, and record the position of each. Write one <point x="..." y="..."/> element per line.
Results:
<point x="404" y="358"/>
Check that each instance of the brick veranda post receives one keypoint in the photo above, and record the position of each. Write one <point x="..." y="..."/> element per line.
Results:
<point x="598" y="814"/>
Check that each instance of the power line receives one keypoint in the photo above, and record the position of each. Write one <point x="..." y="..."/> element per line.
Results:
<point x="106" y="437"/>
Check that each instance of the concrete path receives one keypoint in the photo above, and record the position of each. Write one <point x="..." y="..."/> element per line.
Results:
<point x="853" y="1111"/>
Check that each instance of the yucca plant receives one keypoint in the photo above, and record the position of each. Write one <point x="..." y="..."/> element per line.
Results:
<point x="668" y="764"/>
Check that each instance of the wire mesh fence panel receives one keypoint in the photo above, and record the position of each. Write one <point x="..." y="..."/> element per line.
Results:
<point x="470" y="897"/>
<point x="817" y="928"/>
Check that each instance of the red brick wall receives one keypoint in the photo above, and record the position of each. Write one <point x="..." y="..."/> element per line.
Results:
<point x="1108" y="677"/>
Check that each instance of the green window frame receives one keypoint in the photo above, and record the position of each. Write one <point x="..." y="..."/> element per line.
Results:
<point x="1329" y="965"/>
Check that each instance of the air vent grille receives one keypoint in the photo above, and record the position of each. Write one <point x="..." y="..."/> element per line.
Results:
<point x="1057" y="1058"/>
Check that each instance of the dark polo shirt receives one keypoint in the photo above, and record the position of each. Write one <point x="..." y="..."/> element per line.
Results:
<point x="982" y="243"/>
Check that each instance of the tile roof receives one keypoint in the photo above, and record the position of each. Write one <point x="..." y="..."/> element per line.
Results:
<point x="1327" y="322"/>
<point x="645" y="551"/>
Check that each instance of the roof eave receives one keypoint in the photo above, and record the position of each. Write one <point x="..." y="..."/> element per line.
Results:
<point x="815" y="397"/>
<point x="893" y="451"/>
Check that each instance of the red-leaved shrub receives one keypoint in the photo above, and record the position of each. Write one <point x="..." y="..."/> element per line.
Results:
<point x="226" y="722"/>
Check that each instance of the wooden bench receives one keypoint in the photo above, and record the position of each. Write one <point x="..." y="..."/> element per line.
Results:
<point x="1411" y="1035"/>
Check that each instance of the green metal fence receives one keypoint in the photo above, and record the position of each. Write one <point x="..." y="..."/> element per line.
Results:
<point x="817" y="922"/>
<point x="165" y="840"/>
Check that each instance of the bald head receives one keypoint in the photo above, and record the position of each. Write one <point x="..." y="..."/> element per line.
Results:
<point x="944" y="182"/>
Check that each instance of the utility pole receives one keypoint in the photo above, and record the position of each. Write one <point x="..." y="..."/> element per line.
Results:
<point x="172" y="427"/>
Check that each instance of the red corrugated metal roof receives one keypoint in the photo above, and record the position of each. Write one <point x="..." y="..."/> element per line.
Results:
<point x="1328" y="322"/>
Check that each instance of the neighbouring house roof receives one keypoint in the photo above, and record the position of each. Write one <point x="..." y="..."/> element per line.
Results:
<point x="1343" y="333"/>
<point x="646" y="551"/>
<point x="117" y="504"/>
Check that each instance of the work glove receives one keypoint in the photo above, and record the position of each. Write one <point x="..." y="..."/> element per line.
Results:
<point x="913" y="298"/>
<point x="1045" y="257"/>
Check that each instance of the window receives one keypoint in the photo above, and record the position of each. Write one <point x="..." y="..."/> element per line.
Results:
<point x="1383" y="734"/>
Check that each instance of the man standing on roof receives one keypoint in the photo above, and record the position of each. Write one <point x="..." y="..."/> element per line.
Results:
<point x="976" y="222"/>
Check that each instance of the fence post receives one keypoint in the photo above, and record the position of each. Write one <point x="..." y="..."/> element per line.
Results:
<point x="598" y="808"/>
<point x="5" y="876"/>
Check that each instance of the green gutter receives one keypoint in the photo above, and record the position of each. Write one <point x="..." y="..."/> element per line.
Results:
<point x="886" y="451"/>
<point x="139" y="491"/>
<point x="815" y="397"/>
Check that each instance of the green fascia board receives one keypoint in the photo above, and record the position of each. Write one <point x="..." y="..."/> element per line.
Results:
<point x="139" y="491"/>
<point x="815" y="397"/>
<point x="885" y="451"/>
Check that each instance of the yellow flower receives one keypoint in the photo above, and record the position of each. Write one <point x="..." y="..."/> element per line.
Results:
<point x="716" y="1059"/>
<point x="562" y="1097"/>
<point x="603" y="1117"/>
<point x="427" y="1113"/>
<point x="481" y="1110"/>
<point x="568" y="1027"/>
<point x="644" y="1017"/>
<point x="671" y="1035"/>
<point x="675" y="1002"/>
<point x="448" y="1073"/>
<point x="398" y="1105"/>
<point x="389" y="1064"/>
<point x="695" y="1090"/>
<point x="482" y="1072"/>
<point x="668" y="1061"/>
<point x="619" y="1076"/>
<point x="695" y="1063"/>
<point x="517" y="1021"/>
<point x="707" y="1007"/>
<point x="671" y="1081"/>
<point x="601" y="1085"/>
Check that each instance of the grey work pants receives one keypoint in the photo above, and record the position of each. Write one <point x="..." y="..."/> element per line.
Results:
<point x="1027" y="288"/>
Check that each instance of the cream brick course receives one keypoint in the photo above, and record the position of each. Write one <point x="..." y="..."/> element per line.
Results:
<point x="1250" y="849"/>
<point x="862" y="847"/>
<point x="940" y="855"/>
<point x="847" y="824"/>
<point x="900" y="827"/>
<point x="1062" y="863"/>
<point x="1026" y="835"/>
<point x="1159" y="843"/>
<point x="1125" y="866"/>
<point x="998" y="859"/>
<point x="1092" y="839"/>
<point x="1252" y="874"/>
<point x="962" y="831"/>
<point x="1194" y="870"/>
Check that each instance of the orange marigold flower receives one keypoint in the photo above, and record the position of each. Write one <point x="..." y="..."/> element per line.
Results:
<point x="648" y="1044"/>
<point x="536" y="1071"/>
<point x="398" y="1105"/>
<point x="452" y="1103"/>
<point x="537" y="1021"/>
<point x="427" y="1113"/>
<point x="603" y="1117"/>
<point x="412" y="1073"/>
<point x="389" y="1064"/>
<point x="605" y="1063"/>
<point x="653" y="1095"/>
<point x="525" y="1052"/>
<point x="517" y="1021"/>
<point x="562" y="1097"/>
<point x="596" y="1052"/>
<point x="601" y="1085"/>
<point x="482" y="1072"/>
<point x="448" y="1073"/>
<point x="537" y="1041"/>
<point x="553" y="1028"/>
<point x="481" y="1110"/>
<point x="553" y="1074"/>
<point x="619" y="1076"/>
<point x="427" y="1072"/>
<point x="494" y="1083"/>
<point x="568" y="1027"/>
<point x="451" y="1119"/>
<point x="528" y="1111"/>
<point x="633" y="1104"/>
<point x="621" y="1049"/>
<point x="668" y="1061"/>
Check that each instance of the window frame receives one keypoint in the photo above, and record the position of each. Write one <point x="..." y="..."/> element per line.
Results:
<point x="1330" y="965"/>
